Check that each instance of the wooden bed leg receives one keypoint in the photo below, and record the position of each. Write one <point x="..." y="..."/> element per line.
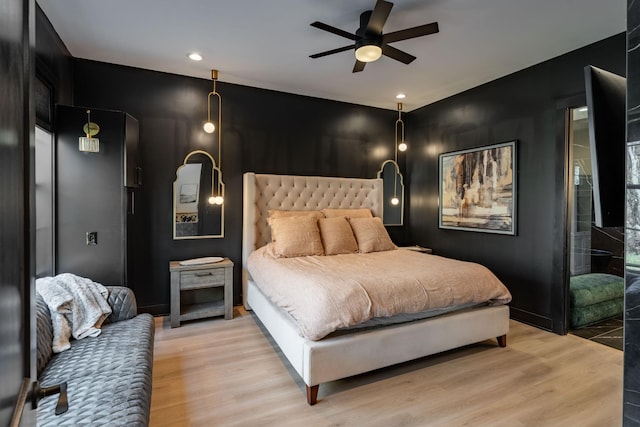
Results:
<point x="312" y="394"/>
<point x="502" y="341"/>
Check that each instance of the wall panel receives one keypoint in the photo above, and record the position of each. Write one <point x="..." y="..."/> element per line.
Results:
<point x="524" y="106"/>
<point x="262" y="131"/>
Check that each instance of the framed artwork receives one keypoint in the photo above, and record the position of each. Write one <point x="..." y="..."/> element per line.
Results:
<point x="478" y="189"/>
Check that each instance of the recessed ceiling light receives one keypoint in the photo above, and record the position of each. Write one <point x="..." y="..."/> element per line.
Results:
<point x="195" y="56"/>
<point x="401" y="96"/>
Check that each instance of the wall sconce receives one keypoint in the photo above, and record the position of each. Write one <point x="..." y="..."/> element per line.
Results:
<point x="88" y="143"/>
<point x="209" y="127"/>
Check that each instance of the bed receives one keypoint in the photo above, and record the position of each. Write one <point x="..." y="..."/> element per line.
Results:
<point x="340" y="355"/>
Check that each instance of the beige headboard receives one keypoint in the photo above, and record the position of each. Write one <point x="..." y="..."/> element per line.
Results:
<point x="262" y="192"/>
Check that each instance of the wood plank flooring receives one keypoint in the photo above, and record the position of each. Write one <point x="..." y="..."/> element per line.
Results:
<point x="230" y="373"/>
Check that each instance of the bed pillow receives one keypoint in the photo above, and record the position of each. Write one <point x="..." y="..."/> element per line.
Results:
<point x="274" y="213"/>
<point x="371" y="235"/>
<point x="337" y="236"/>
<point x="349" y="213"/>
<point x="295" y="236"/>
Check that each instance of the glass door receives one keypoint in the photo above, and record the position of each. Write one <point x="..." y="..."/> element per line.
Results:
<point x="580" y="193"/>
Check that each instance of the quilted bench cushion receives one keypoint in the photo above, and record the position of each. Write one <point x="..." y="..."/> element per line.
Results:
<point x="594" y="288"/>
<point x="595" y="297"/>
<point x="108" y="377"/>
<point x="588" y="315"/>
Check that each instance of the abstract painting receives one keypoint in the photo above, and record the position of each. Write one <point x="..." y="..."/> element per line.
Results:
<point x="478" y="189"/>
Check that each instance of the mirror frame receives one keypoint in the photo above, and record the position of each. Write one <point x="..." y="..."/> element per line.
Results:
<point x="214" y="169"/>
<point x="399" y="184"/>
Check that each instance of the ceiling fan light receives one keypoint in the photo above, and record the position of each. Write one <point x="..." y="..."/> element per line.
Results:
<point x="368" y="53"/>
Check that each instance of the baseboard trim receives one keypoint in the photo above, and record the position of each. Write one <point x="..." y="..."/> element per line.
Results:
<point x="532" y="319"/>
<point x="155" y="310"/>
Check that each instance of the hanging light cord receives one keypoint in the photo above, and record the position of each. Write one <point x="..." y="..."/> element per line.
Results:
<point x="399" y="124"/>
<point x="214" y="76"/>
<point x="88" y="132"/>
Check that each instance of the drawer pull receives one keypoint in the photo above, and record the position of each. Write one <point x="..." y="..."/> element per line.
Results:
<point x="204" y="274"/>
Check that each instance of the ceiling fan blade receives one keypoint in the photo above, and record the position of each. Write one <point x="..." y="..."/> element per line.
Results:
<point x="332" y="51"/>
<point x="359" y="66"/>
<point x="333" y="30"/>
<point x="379" y="16"/>
<point x="409" y="33"/>
<point x="397" y="54"/>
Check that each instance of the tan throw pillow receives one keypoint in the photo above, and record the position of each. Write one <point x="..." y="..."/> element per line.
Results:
<point x="371" y="235"/>
<point x="295" y="236"/>
<point x="349" y="213"/>
<point x="274" y="213"/>
<point x="337" y="236"/>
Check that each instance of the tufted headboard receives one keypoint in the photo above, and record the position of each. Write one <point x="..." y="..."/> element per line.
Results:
<point x="262" y="192"/>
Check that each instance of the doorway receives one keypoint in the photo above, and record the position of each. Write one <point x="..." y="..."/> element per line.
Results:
<point x="595" y="264"/>
<point x="44" y="199"/>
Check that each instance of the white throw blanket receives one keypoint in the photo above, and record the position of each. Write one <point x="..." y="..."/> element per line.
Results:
<point x="78" y="306"/>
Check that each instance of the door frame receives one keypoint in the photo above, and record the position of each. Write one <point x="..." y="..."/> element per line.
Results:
<point x="560" y="292"/>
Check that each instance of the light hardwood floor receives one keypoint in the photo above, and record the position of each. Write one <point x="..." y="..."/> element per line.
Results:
<point x="230" y="373"/>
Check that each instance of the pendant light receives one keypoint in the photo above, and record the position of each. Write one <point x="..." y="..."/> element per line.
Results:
<point x="209" y="127"/>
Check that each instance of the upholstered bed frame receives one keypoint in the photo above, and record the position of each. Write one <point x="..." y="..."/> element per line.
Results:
<point x="345" y="355"/>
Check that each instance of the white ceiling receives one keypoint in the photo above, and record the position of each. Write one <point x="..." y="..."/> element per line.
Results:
<point x="267" y="44"/>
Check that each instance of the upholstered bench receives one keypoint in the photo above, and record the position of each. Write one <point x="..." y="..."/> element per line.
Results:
<point x="108" y="377"/>
<point x="595" y="297"/>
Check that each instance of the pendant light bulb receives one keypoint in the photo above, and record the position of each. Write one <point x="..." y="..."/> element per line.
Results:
<point x="395" y="201"/>
<point x="209" y="127"/>
<point x="218" y="200"/>
<point x="212" y="200"/>
<point x="402" y="146"/>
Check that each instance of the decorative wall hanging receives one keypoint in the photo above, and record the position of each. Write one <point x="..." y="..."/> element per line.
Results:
<point x="478" y="189"/>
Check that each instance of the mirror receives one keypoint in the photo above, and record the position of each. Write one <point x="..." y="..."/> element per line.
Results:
<point x="198" y="198"/>
<point x="393" y="193"/>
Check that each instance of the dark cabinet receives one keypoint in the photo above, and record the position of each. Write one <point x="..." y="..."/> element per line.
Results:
<point x="96" y="195"/>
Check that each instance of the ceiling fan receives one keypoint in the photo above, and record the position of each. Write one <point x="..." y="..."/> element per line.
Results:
<point x="370" y="42"/>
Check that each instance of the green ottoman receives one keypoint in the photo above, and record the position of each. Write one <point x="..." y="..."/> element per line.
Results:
<point x="595" y="297"/>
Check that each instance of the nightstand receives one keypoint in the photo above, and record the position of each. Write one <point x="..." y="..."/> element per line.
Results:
<point x="192" y="278"/>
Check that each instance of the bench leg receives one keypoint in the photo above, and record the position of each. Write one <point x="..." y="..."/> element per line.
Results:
<point x="312" y="394"/>
<point x="502" y="341"/>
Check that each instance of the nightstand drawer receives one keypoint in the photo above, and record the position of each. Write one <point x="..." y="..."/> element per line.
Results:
<point x="199" y="278"/>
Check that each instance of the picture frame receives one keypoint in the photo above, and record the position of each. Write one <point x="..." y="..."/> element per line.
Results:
<point x="478" y="189"/>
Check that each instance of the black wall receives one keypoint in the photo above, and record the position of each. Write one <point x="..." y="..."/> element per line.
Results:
<point x="527" y="106"/>
<point x="53" y="67"/>
<point x="272" y="132"/>
<point x="262" y="131"/>
<point x="17" y="330"/>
